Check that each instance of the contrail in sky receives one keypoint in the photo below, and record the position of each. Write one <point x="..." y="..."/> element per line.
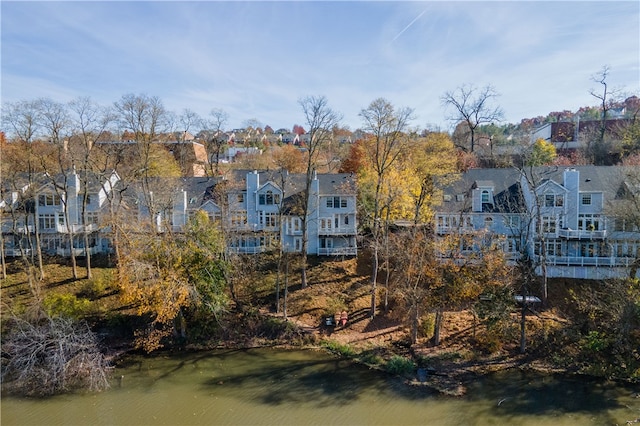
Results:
<point x="407" y="27"/>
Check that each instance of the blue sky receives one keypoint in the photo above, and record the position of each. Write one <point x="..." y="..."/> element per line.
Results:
<point x="255" y="60"/>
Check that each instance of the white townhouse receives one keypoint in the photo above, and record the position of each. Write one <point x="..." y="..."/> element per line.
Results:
<point x="578" y="231"/>
<point x="261" y="208"/>
<point x="564" y="218"/>
<point x="57" y="207"/>
<point x="484" y="202"/>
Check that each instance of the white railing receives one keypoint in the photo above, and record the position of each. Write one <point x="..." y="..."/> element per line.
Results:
<point x="582" y="234"/>
<point x="589" y="261"/>
<point x="349" y="230"/>
<point x="78" y="251"/>
<point x="16" y="252"/>
<point x="76" y="228"/>
<point x="447" y="229"/>
<point x="247" y="250"/>
<point x="26" y="229"/>
<point x="338" y="251"/>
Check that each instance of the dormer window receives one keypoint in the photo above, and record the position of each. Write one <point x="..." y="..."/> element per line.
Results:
<point x="553" y="200"/>
<point x="485" y="196"/>
<point x="49" y="200"/>
<point x="268" y="198"/>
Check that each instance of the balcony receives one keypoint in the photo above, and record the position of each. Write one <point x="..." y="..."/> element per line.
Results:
<point x="247" y="250"/>
<point x="446" y="229"/>
<point x="344" y="230"/>
<point x="581" y="234"/>
<point x="338" y="251"/>
<point x="16" y="252"/>
<point x="77" y="251"/>
<point x="590" y="261"/>
<point x="76" y="228"/>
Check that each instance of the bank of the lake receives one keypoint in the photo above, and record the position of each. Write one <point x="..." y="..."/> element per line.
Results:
<point x="309" y="387"/>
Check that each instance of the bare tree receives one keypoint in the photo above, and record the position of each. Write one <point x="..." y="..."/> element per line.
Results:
<point x="473" y="107"/>
<point x="388" y="133"/>
<point x="56" y="123"/>
<point x="321" y="120"/>
<point x="597" y="149"/>
<point x="23" y="120"/>
<point x="146" y="118"/>
<point x="215" y="138"/>
<point x="90" y="124"/>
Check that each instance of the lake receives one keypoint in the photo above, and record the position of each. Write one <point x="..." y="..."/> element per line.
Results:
<point x="299" y="387"/>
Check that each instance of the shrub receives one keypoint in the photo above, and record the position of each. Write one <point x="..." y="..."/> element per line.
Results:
<point x="66" y="305"/>
<point x="489" y="342"/>
<point x="98" y="285"/>
<point x="370" y="358"/>
<point x="400" y="365"/>
<point x="427" y="325"/>
<point x="339" y="348"/>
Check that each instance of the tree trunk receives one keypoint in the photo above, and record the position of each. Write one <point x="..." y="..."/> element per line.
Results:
<point x="415" y="323"/>
<point x="38" y="246"/>
<point x="74" y="264"/>
<point x="523" y="334"/>
<point x="87" y="253"/>
<point x="374" y="280"/>
<point x="4" y="264"/>
<point x="438" y="326"/>
<point x="286" y="286"/>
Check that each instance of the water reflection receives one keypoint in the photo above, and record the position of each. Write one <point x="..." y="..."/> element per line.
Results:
<point x="265" y="387"/>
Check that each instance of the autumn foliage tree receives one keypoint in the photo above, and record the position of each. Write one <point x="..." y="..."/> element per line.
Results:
<point x="387" y="127"/>
<point x="166" y="274"/>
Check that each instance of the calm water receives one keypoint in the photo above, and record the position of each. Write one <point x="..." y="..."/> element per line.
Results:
<point x="272" y="387"/>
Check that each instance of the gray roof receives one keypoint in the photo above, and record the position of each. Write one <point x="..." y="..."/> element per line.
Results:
<point x="507" y="194"/>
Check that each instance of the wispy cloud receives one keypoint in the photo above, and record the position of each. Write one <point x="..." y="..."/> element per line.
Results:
<point x="408" y="26"/>
<point x="256" y="59"/>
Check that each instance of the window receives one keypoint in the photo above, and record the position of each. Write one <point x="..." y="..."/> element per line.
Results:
<point x="346" y="220"/>
<point x="268" y="198"/>
<point x="239" y="218"/>
<point x="488" y="222"/>
<point x="336" y="202"/>
<point x="326" y="243"/>
<point x="554" y="248"/>
<point x="240" y="198"/>
<point x="47" y="221"/>
<point x="590" y="222"/>
<point x="550" y="224"/>
<point x="586" y="199"/>
<point x="269" y="219"/>
<point x="296" y="224"/>
<point x="485" y="196"/>
<point x="512" y="245"/>
<point x="553" y="200"/>
<point x="512" y="221"/>
<point x="92" y="217"/>
<point x="49" y="200"/>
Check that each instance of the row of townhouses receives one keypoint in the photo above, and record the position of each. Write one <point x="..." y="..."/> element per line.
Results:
<point x="562" y="219"/>
<point x="567" y="221"/>
<point x="257" y="209"/>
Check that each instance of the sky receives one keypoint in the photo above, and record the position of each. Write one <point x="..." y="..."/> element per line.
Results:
<point x="257" y="59"/>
